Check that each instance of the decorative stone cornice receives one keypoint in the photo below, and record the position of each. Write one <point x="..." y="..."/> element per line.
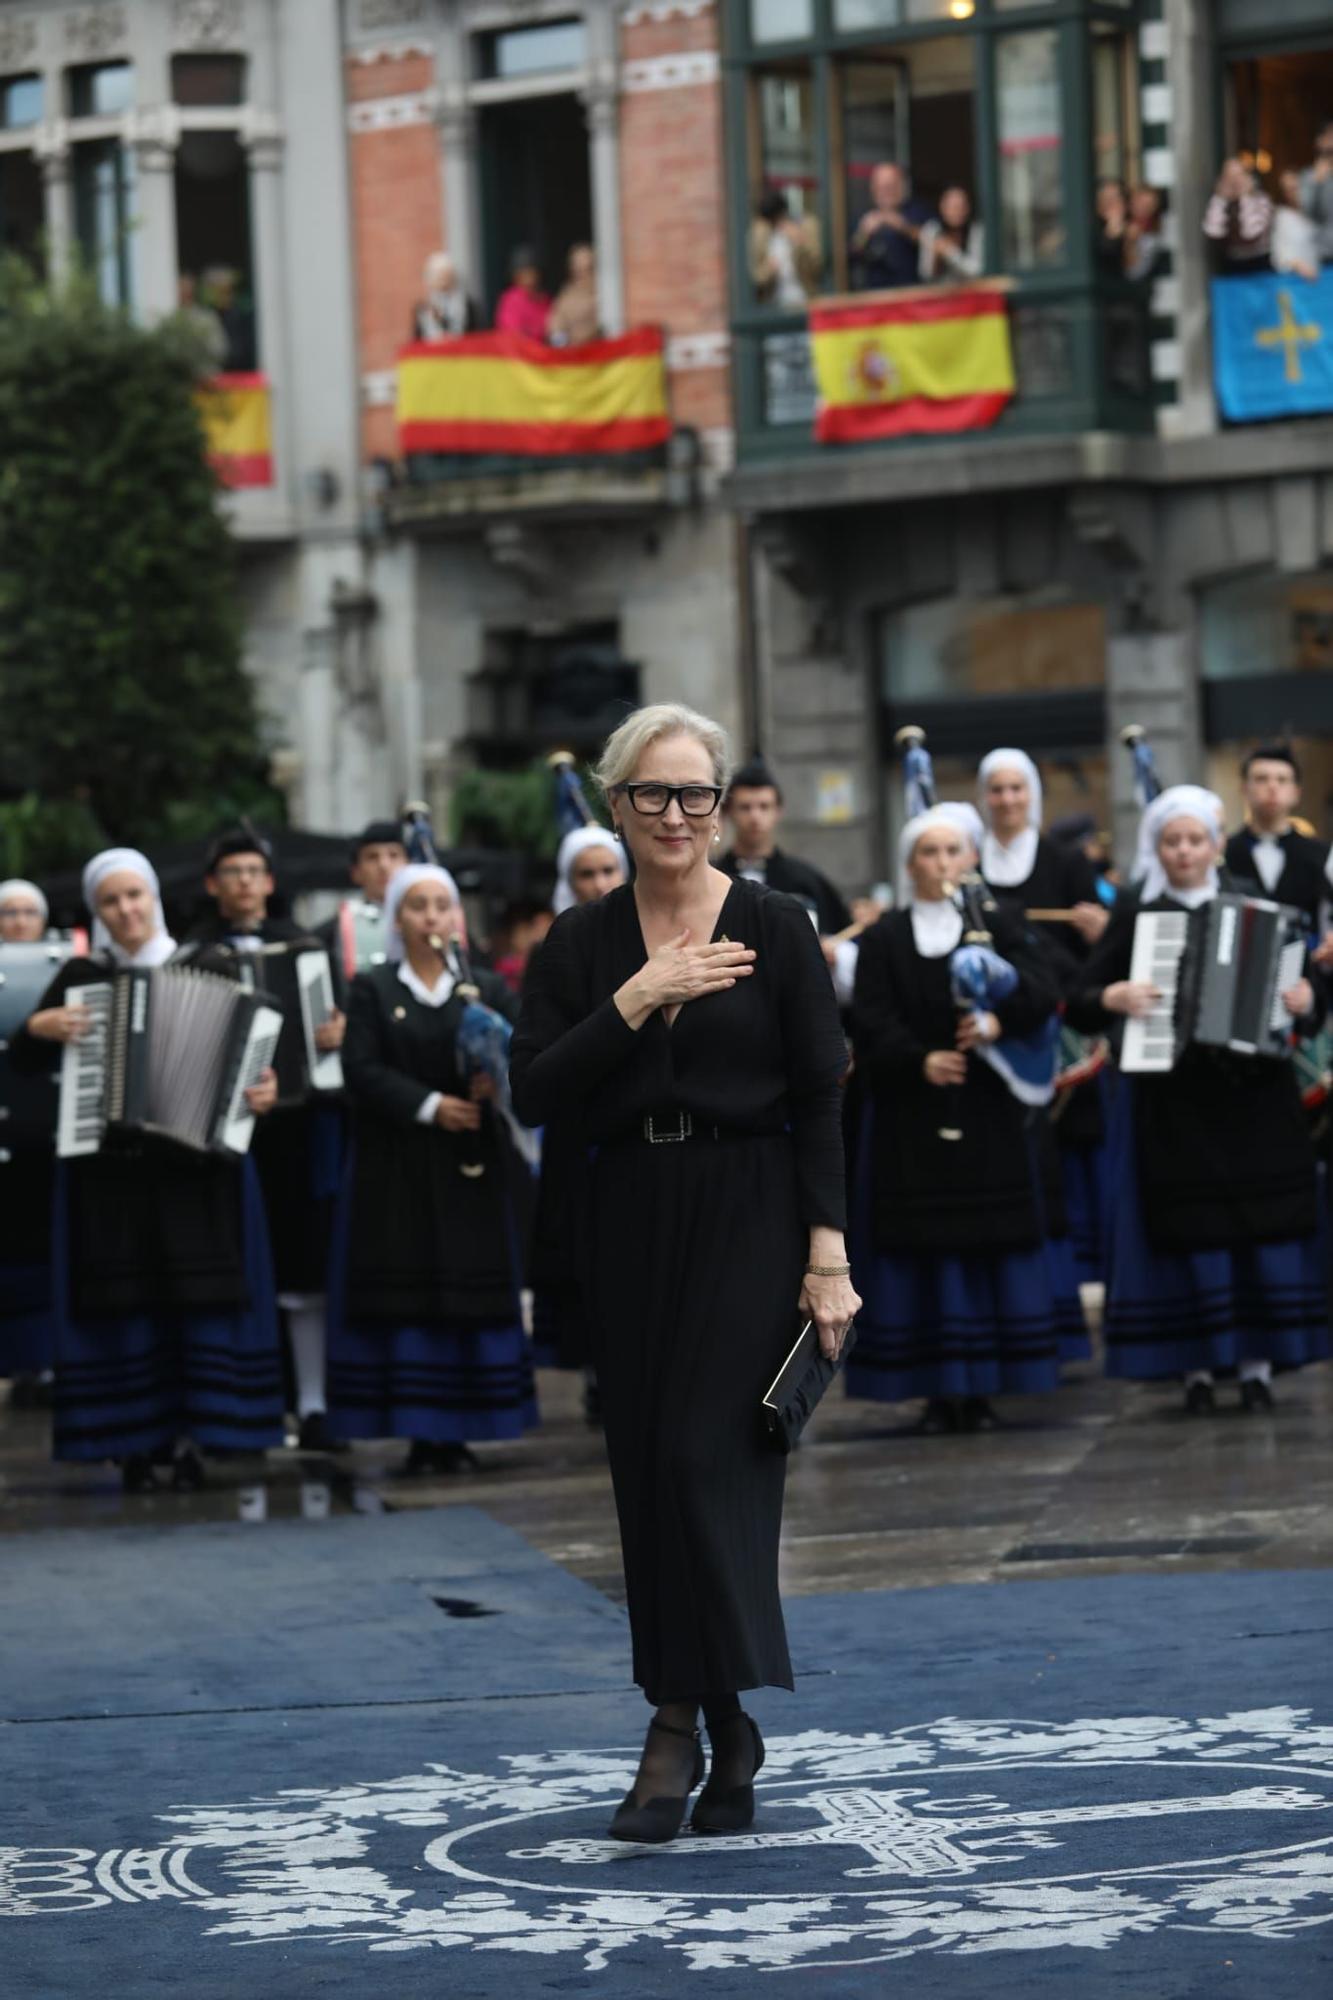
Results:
<point x="94" y="32"/>
<point x="18" y="41"/>
<point x="207" y="24"/>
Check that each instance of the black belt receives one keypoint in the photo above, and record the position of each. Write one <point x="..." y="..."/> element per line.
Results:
<point x="672" y="1126"/>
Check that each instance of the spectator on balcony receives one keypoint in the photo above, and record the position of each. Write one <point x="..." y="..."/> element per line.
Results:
<point x="446" y="310"/>
<point x="953" y="245"/>
<point x="784" y="254"/>
<point x="524" y="308"/>
<point x="1238" y="221"/>
<point x="204" y="322"/>
<point x="1143" y="238"/>
<point x="575" y="318"/>
<point x="1317" y="191"/>
<point x="1295" y="234"/>
<point x="219" y="290"/>
<point x="885" y="250"/>
<point x="1112" y="213"/>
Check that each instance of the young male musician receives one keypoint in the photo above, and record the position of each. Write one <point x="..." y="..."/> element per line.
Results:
<point x="376" y="855"/>
<point x="754" y="806"/>
<point x="1269" y="849"/>
<point x="297" y="1150"/>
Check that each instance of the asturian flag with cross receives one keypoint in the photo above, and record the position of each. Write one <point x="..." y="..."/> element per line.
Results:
<point x="1273" y="345"/>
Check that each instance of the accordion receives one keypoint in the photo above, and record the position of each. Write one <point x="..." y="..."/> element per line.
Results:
<point x="1222" y="970"/>
<point x="362" y="936"/>
<point x="27" y="1103"/>
<point x="296" y="979"/>
<point x="173" y="1052"/>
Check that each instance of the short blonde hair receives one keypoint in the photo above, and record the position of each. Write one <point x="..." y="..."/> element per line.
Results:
<point x="646" y="726"/>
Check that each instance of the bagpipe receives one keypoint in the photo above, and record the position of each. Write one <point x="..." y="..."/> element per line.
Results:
<point x="1147" y="783"/>
<point x="484" y="1037"/>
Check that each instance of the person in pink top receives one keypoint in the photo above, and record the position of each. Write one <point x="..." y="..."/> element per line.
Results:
<point x="524" y="308"/>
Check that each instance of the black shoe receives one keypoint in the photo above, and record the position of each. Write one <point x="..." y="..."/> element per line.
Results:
<point x="977" y="1415"/>
<point x="137" y="1474"/>
<point x="187" y="1471"/>
<point x="1256" y="1398"/>
<point x="455" y="1459"/>
<point x="939" y="1418"/>
<point x="592" y="1404"/>
<point x="729" y="1808"/>
<point x="658" y="1819"/>
<point x="420" y="1460"/>
<point x="1200" y="1400"/>
<point x="316" y="1435"/>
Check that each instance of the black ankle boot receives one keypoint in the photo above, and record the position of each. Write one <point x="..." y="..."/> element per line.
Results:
<point x="730" y="1808"/>
<point x="657" y="1819"/>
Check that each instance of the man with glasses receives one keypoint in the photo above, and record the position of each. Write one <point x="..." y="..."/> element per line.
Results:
<point x="1317" y="192"/>
<point x="297" y="1149"/>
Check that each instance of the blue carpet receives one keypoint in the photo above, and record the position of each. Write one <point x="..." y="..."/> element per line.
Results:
<point x="299" y="1775"/>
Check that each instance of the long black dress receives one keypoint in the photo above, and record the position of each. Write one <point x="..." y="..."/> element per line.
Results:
<point x="696" y="1255"/>
<point x="426" y="1336"/>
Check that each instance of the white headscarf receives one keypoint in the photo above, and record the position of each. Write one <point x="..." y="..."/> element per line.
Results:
<point x="965" y="817"/>
<point x="1008" y="865"/>
<point x="157" y="948"/>
<point x="17" y="886"/>
<point x="936" y="926"/>
<point x="399" y="884"/>
<point x="574" y="844"/>
<point x="1177" y="802"/>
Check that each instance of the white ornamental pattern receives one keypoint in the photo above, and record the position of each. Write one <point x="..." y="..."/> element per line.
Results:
<point x="1124" y="1827"/>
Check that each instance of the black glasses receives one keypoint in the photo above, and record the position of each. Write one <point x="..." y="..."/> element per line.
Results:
<point x="695" y="801"/>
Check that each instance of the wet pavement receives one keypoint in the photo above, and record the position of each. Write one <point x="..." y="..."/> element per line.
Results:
<point x="1101" y="1477"/>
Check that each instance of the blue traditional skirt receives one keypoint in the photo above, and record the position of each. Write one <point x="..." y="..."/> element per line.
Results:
<point x="1169" y="1313"/>
<point x="440" y="1381"/>
<point x="137" y="1382"/>
<point x="27" y="1323"/>
<point x="943" y="1323"/>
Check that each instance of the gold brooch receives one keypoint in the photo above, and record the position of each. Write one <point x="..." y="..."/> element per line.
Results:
<point x="400" y="1013"/>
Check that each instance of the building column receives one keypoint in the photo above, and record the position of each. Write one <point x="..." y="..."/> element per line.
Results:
<point x="1190" y="74"/>
<point x="263" y="142"/>
<point x="153" y="136"/>
<point x="602" y="104"/>
<point x="54" y="153"/>
<point x="458" y="153"/>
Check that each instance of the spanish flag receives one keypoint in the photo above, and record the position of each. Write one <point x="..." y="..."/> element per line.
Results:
<point x="235" y="413"/>
<point x="496" y="392"/>
<point x="911" y="361"/>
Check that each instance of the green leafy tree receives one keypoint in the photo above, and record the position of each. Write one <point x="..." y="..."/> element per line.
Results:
<point x="124" y="706"/>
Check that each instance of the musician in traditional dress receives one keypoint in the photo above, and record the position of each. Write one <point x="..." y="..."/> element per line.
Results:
<point x="298" y="1151"/>
<point x="1028" y="871"/>
<point x="426" y="1330"/>
<point x="1215" y="1258"/>
<point x="354" y="936"/>
<point x="1290" y="866"/>
<point x="23" y="912"/>
<point x="26" y="1164"/>
<point x="686" y="1022"/>
<point x="947" y="1238"/>
<point x="589" y="865"/>
<point x="755" y="807"/>
<point x="166" y="1329"/>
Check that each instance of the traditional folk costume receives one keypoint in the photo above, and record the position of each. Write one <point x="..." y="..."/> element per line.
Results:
<point x="947" y="1246"/>
<point x="27" y="1180"/>
<point x="298" y="1152"/>
<point x="165" y="1322"/>
<point x="1291" y="867"/>
<point x="1216" y="1258"/>
<point x="558" y="1262"/>
<point x="717" y="1147"/>
<point x="1032" y="872"/>
<point x="426" y="1330"/>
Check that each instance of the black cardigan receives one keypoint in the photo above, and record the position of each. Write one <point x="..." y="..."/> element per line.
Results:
<point x="930" y="1193"/>
<point x="428" y="1240"/>
<point x="1223" y="1146"/>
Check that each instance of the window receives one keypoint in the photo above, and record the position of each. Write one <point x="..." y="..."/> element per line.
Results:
<point x="519" y="52"/>
<point x="1030" y="128"/>
<point x="916" y="106"/>
<point x="22" y="208"/>
<point x="781" y="20"/>
<point x="213" y="254"/>
<point x="103" y="176"/>
<point x="208" y="80"/>
<point x="99" y="90"/>
<point x="20" y="102"/>
<point x="1115" y="120"/>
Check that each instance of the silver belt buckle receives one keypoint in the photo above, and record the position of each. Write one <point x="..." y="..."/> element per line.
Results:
<point x="684" y="1127"/>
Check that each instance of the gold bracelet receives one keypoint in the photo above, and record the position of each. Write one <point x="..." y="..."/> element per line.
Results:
<point x="828" y="1270"/>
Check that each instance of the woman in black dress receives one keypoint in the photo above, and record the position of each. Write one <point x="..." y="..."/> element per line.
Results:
<point x="688" y="1023"/>
<point x="426" y="1338"/>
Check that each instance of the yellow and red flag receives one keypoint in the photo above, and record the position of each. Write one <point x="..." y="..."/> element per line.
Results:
<point x="237" y="429"/>
<point x="919" y="360"/>
<point x="497" y="392"/>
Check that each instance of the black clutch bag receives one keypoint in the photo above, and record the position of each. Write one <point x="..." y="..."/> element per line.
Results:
<point x="793" y="1396"/>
